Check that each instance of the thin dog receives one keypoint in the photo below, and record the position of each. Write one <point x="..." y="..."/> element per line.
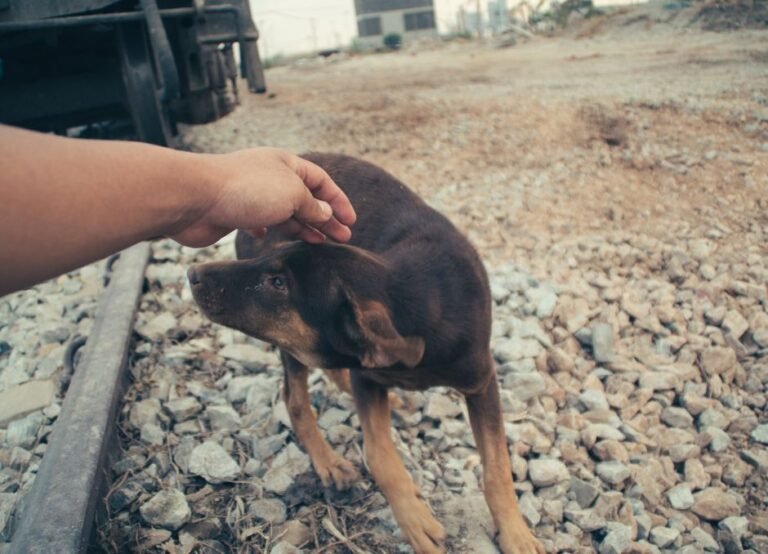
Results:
<point x="405" y="304"/>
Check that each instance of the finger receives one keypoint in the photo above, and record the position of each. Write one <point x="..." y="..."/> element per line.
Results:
<point x="311" y="211"/>
<point x="295" y="229"/>
<point x="335" y="230"/>
<point x="323" y="188"/>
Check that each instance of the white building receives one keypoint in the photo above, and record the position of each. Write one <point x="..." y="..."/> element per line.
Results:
<point x="411" y="19"/>
<point x="498" y="15"/>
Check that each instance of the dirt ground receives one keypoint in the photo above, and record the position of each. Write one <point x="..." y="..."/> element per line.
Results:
<point x="661" y="131"/>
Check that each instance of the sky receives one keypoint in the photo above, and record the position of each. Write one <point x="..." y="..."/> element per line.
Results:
<point x="295" y="26"/>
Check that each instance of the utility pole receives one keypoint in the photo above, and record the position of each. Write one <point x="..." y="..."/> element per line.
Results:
<point x="262" y="27"/>
<point x="479" y="20"/>
<point x="314" y="33"/>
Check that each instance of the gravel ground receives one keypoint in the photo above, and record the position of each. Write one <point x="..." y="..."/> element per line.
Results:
<point x="614" y="183"/>
<point x="35" y="327"/>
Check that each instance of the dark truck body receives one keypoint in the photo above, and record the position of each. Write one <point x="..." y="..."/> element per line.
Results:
<point x="74" y="63"/>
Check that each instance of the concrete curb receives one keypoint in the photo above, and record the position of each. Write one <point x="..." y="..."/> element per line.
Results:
<point x="59" y="512"/>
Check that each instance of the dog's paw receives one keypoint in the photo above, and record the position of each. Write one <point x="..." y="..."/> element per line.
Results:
<point x="520" y="541"/>
<point x="336" y="471"/>
<point x="424" y="533"/>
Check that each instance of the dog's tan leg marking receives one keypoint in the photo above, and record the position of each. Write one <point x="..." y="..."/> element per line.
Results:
<point x="331" y="467"/>
<point x="485" y="417"/>
<point x="340" y="378"/>
<point x="421" y="529"/>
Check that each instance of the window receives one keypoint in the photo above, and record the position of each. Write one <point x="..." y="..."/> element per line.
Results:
<point x="369" y="27"/>
<point x="375" y="6"/>
<point x="419" y="20"/>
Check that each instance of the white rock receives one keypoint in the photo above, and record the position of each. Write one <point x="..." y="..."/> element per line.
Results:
<point x="737" y="526"/>
<point x="700" y="249"/>
<point x="612" y="472"/>
<point x="760" y="336"/>
<point x="23" y="432"/>
<point x="664" y="536"/>
<point x="168" y="273"/>
<point x="333" y="416"/>
<point x="251" y="357"/>
<point x="280" y="414"/>
<point x="211" y="462"/>
<point x="602" y="342"/>
<point x="544" y="472"/>
<point x="439" y="406"/>
<point x="184" y="408"/>
<point x="509" y="350"/>
<point x="167" y="509"/>
<point x="271" y="510"/>
<point x="680" y="497"/>
<point x="594" y="400"/>
<point x="760" y="434"/>
<point x="158" y="326"/>
<point x="525" y="386"/>
<point x="152" y="434"/>
<point x="26" y="398"/>
<point x="676" y="417"/>
<point x="145" y="411"/>
<point x="287" y="465"/>
<point x="720" y="439"/>
<point x="657" y="380"/>
<point x="222" y="418"/>
<point x="7" y="503"/>
<point x="546" y="305"/>
<point x="617" y="540"/>
<point x="735" y="323"/>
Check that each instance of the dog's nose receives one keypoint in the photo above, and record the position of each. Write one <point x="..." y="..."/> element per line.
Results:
<point x="192" y="276"/>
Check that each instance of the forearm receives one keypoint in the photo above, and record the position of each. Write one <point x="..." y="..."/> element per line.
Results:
<point x="64" y="201"/>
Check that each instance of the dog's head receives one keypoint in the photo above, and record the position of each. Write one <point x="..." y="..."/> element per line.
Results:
<point x="324" y="304"/>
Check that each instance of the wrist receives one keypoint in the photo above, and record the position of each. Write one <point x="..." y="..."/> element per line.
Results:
<point x="197" y="182"/>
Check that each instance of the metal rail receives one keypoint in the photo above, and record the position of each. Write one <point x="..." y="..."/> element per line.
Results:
<point x="59" y="512"/>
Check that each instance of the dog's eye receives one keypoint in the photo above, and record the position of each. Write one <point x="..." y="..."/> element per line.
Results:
<point x="278" y="282"/>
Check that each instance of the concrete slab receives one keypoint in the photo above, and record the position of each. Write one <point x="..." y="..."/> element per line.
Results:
<point x="24" y="399"/>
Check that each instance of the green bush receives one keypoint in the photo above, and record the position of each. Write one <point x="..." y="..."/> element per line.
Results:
<point x="393" y="41"/>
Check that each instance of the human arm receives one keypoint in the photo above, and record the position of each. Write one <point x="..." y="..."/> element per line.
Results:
<point x="67" y="202"/>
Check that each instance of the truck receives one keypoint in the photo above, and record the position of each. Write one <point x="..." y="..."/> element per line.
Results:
<point x="126" y="68"/>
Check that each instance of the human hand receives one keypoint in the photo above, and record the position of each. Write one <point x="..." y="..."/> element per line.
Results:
<point x="266" y="187"/>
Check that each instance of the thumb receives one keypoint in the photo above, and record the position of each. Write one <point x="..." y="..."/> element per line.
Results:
<point x="312" y="211"/>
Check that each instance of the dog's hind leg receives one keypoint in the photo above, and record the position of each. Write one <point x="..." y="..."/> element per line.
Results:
<point x="331" y="467"/>
<point x="340" y="378"/>
<point x="488" y="427"/>
<point x="423" y="531"/>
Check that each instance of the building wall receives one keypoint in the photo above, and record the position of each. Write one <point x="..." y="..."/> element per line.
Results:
<point x="393" y="19"/>
<point x="377" y="6"/>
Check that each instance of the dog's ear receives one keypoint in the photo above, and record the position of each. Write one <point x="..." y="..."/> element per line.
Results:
<point x="368" y="326"/>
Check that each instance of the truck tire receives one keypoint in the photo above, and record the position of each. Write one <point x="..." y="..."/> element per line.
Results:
<point x="152" y="119"/>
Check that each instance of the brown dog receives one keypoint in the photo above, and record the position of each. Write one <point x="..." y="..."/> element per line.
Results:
<point x="405" y="304"/>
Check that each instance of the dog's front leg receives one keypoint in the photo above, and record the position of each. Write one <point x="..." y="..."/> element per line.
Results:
<point x="421" y="529"/>
<point x="487" y="425"/>
<point x="331" y="467"/>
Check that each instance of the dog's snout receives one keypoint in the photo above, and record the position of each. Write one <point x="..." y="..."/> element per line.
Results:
<point x="192" y="275"/>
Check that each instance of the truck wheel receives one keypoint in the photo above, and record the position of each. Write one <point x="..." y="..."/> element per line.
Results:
<point x="152" y="119"/>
